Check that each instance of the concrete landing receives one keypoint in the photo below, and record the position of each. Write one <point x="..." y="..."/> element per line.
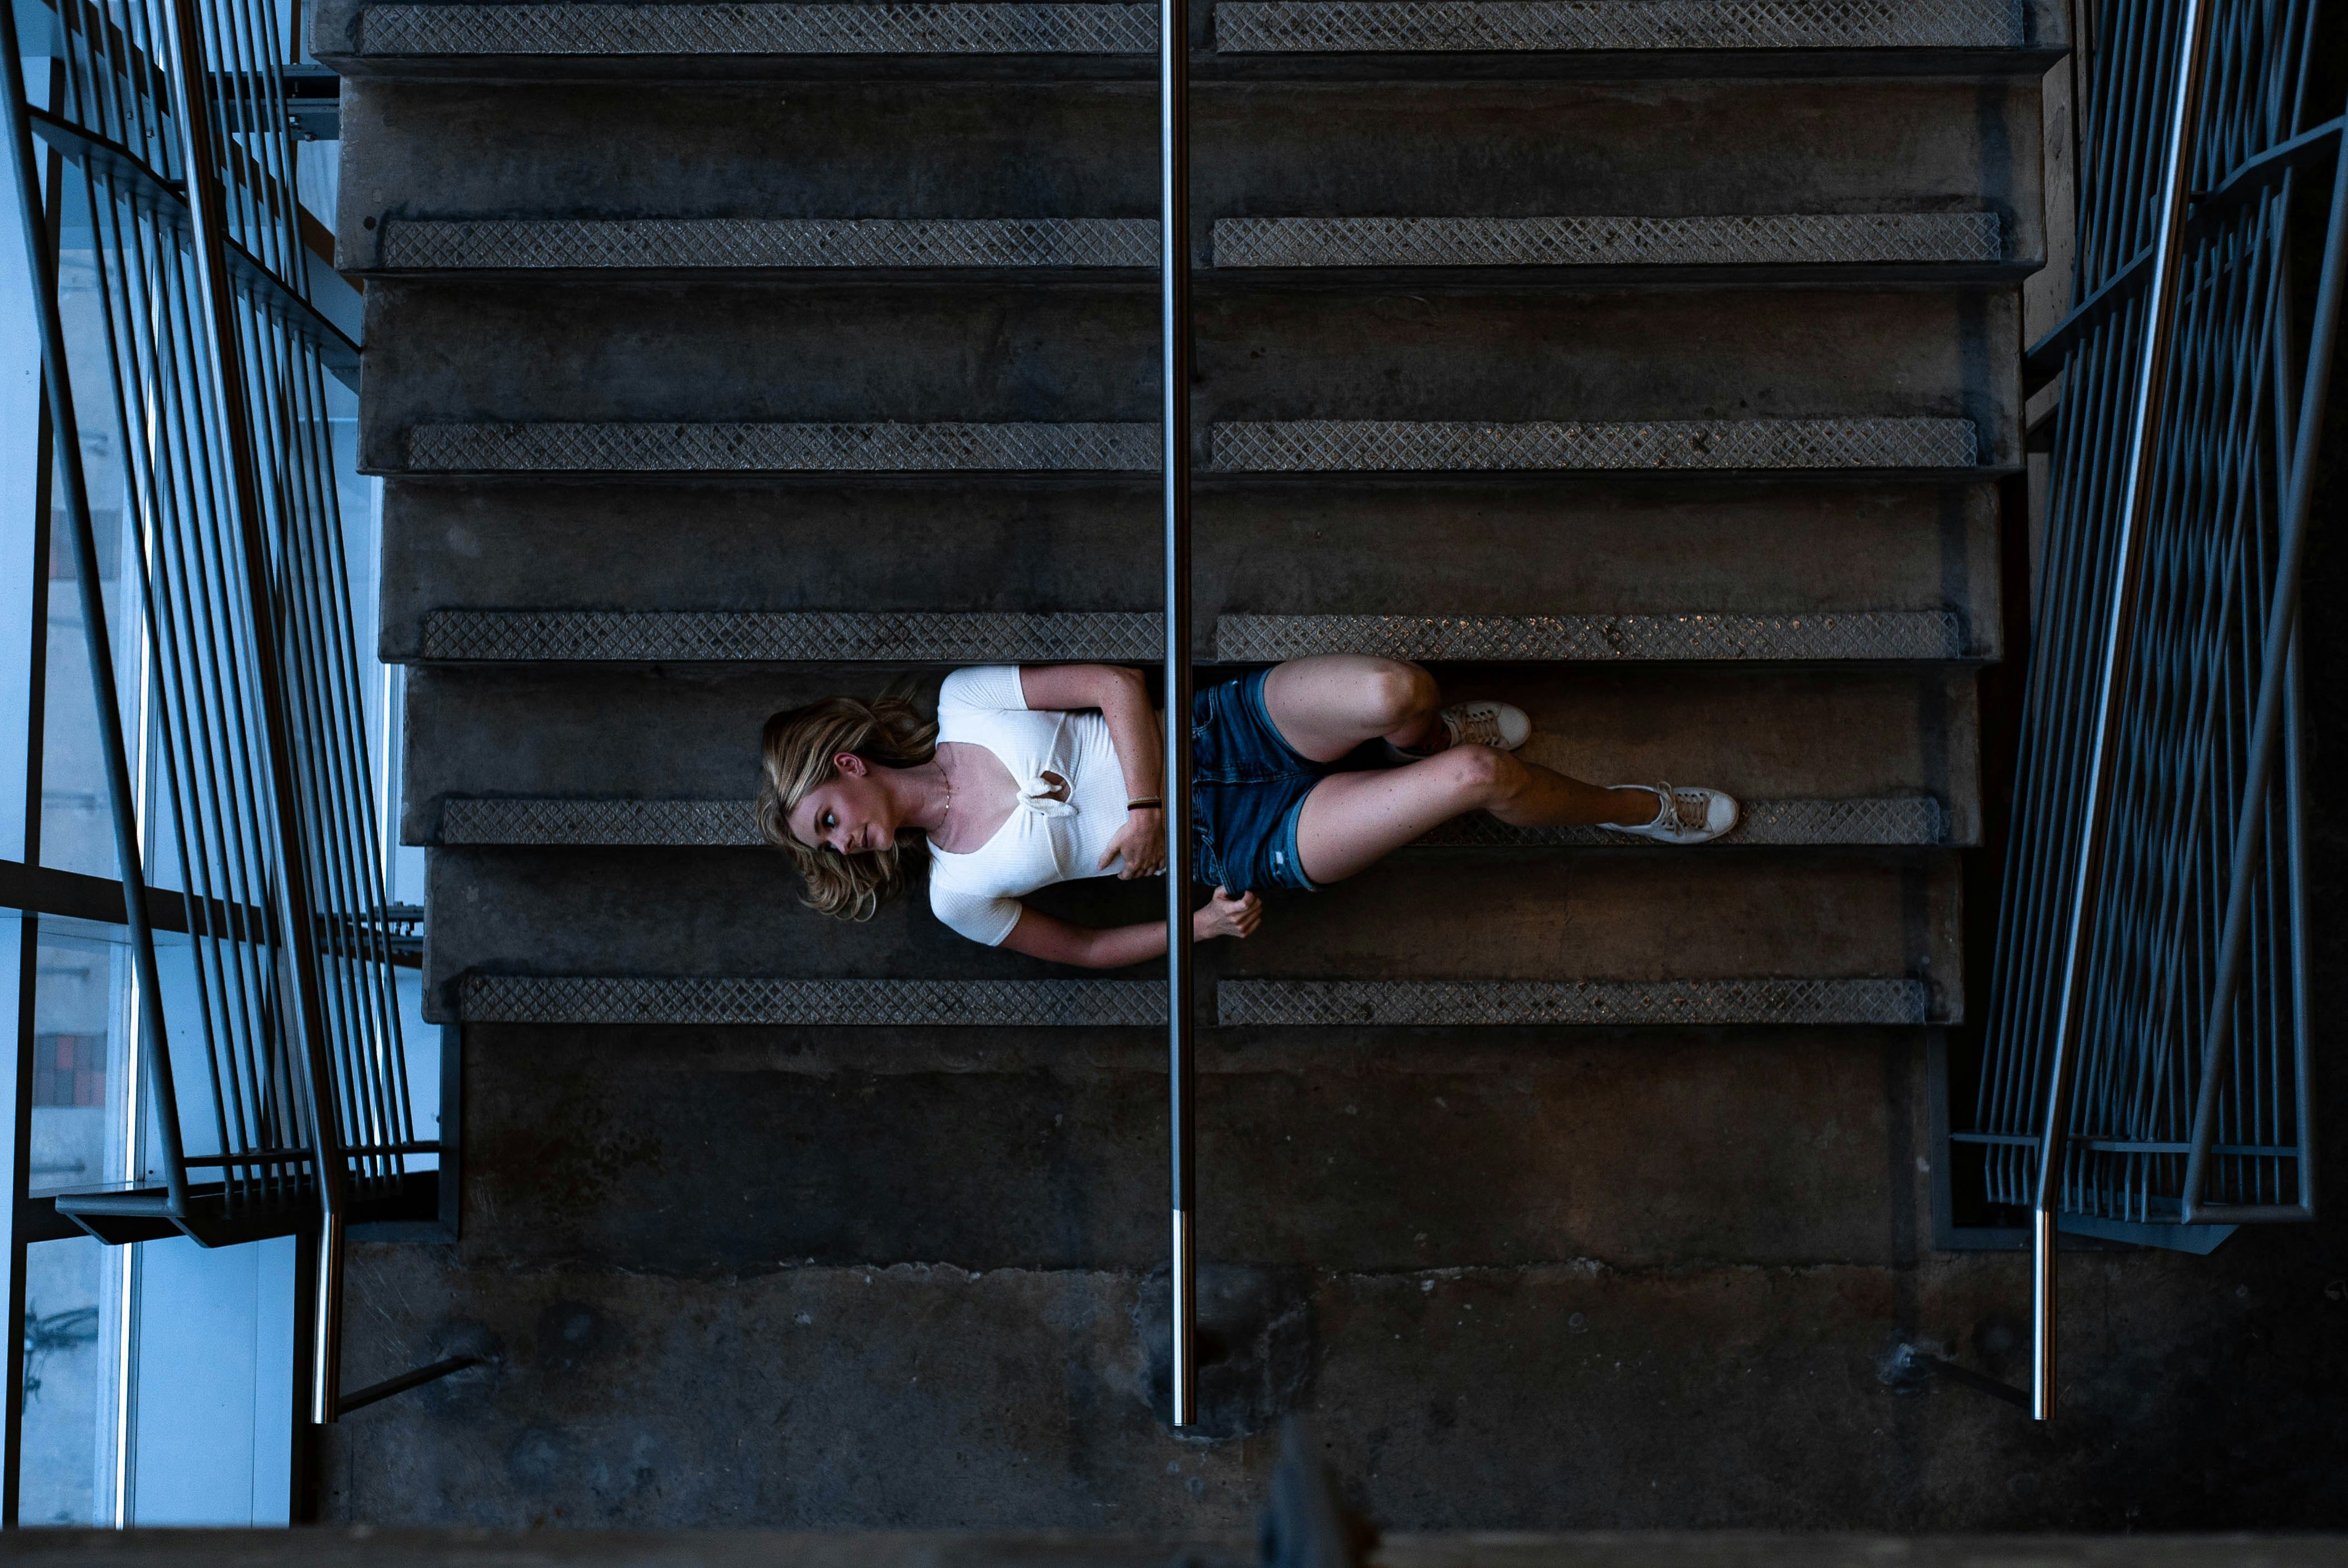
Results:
<point x="1582" y="1283"/>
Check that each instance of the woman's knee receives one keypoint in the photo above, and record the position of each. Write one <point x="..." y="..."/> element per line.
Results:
<point x="1397" y="692"/>
<point x="1481" y="778"/>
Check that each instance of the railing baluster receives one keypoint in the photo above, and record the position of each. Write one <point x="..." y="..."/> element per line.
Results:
<point x="2283" y="617"/>
<point x="298" y="927"/>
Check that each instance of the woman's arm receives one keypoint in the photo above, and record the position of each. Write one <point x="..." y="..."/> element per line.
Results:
<point x="1059" y="941"/>
<point x="1123" y="699"/>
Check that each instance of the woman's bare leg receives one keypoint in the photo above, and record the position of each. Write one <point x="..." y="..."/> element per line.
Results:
<point x="1352" y="821"/>
<point x="1325" y="706"/>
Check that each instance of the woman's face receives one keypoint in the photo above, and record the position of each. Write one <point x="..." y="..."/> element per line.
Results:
<point x="852" y="814"/>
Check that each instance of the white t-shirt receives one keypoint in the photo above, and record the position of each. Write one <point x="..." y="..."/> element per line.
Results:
<point x="1043" y="841"/>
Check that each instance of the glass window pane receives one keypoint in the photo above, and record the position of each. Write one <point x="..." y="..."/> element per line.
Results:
<point x="421" y="1043"/>
<point x="21" y="460"/>
<point x="75" y="1291"/>
<point x="67" y="1385"/>
<point x="77" y="822"/>
<point x="80" y="998"/>
<point x="214" y="1392"/>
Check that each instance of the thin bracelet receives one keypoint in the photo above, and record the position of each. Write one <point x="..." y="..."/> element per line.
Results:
<point x="1145" y="805"/>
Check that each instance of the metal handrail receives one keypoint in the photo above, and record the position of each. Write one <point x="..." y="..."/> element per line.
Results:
<point x="2112" y="674"/>
<point x="1174" y="386"/>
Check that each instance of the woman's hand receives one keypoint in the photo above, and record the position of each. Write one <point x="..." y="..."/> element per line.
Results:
<point x="1142" y="842"/>
<point x="1047" y="937"/>
<point x="1224" y="915"/>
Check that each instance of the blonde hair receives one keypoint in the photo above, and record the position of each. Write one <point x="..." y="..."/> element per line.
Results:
<point x="796" y="753"/>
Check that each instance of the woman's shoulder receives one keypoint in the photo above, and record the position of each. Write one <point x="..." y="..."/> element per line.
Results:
<point x="981" y="688"/>
<point x="982" y="914"/>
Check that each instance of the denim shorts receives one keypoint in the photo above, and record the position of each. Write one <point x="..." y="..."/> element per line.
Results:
<point x="1248" y="786"/>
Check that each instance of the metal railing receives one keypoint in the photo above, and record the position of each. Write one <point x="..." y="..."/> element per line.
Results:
<point x="1174" y="371"/>
<point x="2146" y="1053"/>
<point x="170" y="157"/>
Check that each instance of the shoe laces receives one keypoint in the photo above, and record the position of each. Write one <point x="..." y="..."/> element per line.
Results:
<point x="1473" y="724"/>
<point x="1686" y="809"/>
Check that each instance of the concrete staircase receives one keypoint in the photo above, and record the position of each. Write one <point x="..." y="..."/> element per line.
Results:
<point x="1652" y="362"/>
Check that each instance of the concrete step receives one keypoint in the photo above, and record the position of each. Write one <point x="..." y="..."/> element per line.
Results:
<point x="1928" y="180"/>
<point x="1662" y="546"/>
<point x="1732" y="928"/>
<point x="1914" y="821"/>
<point x="594" y="750"/>
<point x="1411" y="1152"/>
<point x="1635" y="37"/>
<point x="681" y="377"/>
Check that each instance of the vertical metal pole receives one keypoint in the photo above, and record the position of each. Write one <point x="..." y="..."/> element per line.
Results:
<point x="2281" y="630"/>
<point x="1174" y="367"/>
<point x="41" y="271"/>
<point x="298" y="924"/>
<point x="2127" y="560"/>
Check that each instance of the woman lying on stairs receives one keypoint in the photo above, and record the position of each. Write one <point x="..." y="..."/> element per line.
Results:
<point x="1040" y="774"/>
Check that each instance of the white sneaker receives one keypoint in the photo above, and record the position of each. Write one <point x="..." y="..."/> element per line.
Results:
<point x="1689" y="815"/>
<point x="1501" y="725"/>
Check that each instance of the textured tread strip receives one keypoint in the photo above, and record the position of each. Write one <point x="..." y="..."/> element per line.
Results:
<point x="1360" y="446"/>
<point x="783" y="636"/>
<point x="945" y="638"/>
<point x="1435" y="1003"/>
<point x="758" y="30"/>
<point x="730" y="824"/>
<point x="1297" y="446"/>
<point x="591" y="1000"/>
<point x="1539" y="639"/>
<point x="507" y="243"/>
<point x="1351" y="26"/>
<point x="1787" y="239"/>
<point x="882" y="448"/>
<point x="459" y="244"/>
